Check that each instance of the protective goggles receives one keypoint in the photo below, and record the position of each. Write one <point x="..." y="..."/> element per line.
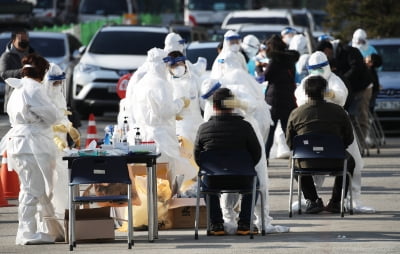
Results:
<point x="211" y="91"/>
<point x="56" y="77"/>
<point x="174" y="60"/>
<point x="317" y="66"/>
<point x="233" y="37"/>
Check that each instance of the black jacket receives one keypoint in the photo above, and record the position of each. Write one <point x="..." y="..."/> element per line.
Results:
<point x="224" y="132"/>
<point x="350" y="64"/>
<point x="280" y="75"/>
<point x="11" y="67"/>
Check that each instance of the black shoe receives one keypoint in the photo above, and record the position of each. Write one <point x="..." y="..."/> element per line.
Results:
<point x="217" y="229"/>
<point x="333" y="207"/>
<point x="243" y="228"/>
<point x="314" y="206"/>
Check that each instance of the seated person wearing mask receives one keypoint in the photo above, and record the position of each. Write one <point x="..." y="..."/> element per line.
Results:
<point x="320" y="116"/>
<point x="225" y="131"/>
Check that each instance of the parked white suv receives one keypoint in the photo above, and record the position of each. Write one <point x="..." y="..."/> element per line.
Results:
<point x="113" y="52"/>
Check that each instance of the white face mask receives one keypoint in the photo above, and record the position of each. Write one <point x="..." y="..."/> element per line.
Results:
<point x="287" y="39"/>
<point x="179" y="71"/>
<point x="251" y="52"/>
<point x="234" y="47"/>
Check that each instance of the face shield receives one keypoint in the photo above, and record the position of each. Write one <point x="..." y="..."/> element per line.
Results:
<point x="231" y="41"/>
<point x="54" y="81"/>
<point x="251" y="45"/>
<point x="321" y="69"/>
<point x="176" y="66"/>
<point x="287" y="34"/>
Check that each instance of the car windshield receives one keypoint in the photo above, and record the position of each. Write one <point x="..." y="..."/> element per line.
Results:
<point x="209" y="53"/>
<point x="48" y="47"/>
<point x="44" y="4"/>
<point x="261" y="35"/>
<point x="126" y="42"/>
<point x="220" y="5"/>
<point x="103" y="7"/>
<point x="390" y="57"/>
<point x="301" y="20"/>
<point x="263" y="20"/>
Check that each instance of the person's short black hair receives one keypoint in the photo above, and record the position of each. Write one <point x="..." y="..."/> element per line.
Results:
<point x="315" y="87"/>
<point x="376" y="60"/>
<point x="175" y="54"/>
<point x="220" y="95"/>
<point x="16" y="31"/>
<point x="323" y="45"/>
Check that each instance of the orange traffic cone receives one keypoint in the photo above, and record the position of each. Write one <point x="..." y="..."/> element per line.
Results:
<point x="9" y="179"/>
<point x="3" y="201"/>
<point x="91" y="130"/>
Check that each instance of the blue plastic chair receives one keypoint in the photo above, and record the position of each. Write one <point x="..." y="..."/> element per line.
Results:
<point x="227" y="163"/>
<point x="325" y="149"/>
<point x="92" y="170"/>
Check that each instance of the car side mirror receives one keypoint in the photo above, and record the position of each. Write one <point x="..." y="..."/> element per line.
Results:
<point x="82" y="50"/>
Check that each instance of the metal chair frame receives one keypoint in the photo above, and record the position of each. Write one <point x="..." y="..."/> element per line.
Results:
<point x="318" y="146"/>
<point x="91" y="170"/>
<point x="227" y="163"/>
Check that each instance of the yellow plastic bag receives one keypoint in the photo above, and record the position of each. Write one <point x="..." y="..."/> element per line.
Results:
<point x="164" y="193"/>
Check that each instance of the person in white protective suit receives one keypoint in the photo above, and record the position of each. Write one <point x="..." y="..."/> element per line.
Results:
<point x="336" y="93"/>
<point x="186" y="85"/>
<point x="299" y="43"/>
<point x="251" y="46"/>
<point x="155" y="112"/>
<point x="231" y="45"/>
<point x="54" y="83"/>
<point x="172" y="42"/>
<point x="251" y="105"/>
<point x="32" y="152"/>
<point x="360" y="41"/>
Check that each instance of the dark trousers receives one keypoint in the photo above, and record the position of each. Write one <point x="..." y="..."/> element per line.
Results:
<point x="228" y="182"/>
<point x="310" y="192"/>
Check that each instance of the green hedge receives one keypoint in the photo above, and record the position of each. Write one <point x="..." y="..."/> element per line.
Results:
<point x="85" y="31"/>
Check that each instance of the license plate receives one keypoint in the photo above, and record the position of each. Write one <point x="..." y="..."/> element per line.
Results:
<point x="387" y="105"/>
<point x="112" y="89"/>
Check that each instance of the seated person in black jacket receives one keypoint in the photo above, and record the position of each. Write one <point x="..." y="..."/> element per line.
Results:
<point x="225" y="131"/>
<point x="320" y="116"/>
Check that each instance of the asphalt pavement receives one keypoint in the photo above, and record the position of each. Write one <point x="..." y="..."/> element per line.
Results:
<point x="322" y="233"/>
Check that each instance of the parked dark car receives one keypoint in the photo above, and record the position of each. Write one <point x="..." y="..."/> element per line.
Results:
<point x="388" y="100"/>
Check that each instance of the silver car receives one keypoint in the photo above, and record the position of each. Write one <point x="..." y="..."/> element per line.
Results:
<point x="55" y="47"/>
<point x="388" y="100"/>
<point x="113" y="52"/>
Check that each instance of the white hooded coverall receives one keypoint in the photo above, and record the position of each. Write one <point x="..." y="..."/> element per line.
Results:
<point x="246" y="89"/>
<point x="154" y="113"/>
<point x="32" y="154"/>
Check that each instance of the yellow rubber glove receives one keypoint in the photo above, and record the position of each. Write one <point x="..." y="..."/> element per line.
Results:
<point x="178" y="118"/>
<point x="60" y="143"/>
<point x="186" y="102"/>
<point x="67" y="113"/>
<point x="76" y="136"/>
<point x="329" y="94"/>
<point x="60" y="128"/>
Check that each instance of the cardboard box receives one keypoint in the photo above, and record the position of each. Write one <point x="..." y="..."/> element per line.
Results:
<point x="91" y="224"/>
<point x="182" y="212"/>
<point x="141" y="170"/>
